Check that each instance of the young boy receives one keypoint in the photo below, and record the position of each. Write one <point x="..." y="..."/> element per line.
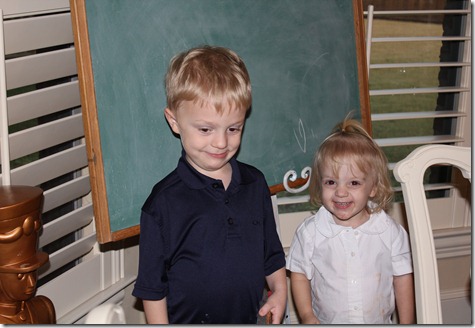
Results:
<point x="208" y="240"/>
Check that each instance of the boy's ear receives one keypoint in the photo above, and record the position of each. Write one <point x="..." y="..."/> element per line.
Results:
<point x="171" y="119"/>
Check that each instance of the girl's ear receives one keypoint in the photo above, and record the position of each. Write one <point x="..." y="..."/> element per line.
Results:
<point x="374" y="190"/>
<point x="171" y="119"/>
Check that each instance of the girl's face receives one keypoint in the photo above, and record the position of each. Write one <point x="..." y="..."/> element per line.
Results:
<point x="345" y="193"/>
<point x="209" y="138"/>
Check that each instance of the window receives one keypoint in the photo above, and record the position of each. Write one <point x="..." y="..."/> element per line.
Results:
<point x="419" y="76"/>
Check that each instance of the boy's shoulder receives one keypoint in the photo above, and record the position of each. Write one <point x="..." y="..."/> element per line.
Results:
<point x="163" y="186"/>
<point x="250" y="168"/>
<point x="250" y="174"/>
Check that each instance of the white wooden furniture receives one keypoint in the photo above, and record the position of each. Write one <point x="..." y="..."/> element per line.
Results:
<point x="107" y="313"/>
<point x="410" y="172"/>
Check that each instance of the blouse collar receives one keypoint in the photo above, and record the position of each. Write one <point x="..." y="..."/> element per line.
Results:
<point x="325" y="224"/>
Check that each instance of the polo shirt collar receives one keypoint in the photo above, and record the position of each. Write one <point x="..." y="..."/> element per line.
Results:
<point x="325" y="224"/>
<point x="196" y="180"/>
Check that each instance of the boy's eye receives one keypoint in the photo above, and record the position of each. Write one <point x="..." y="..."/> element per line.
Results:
<point x="204" y="130"/>
<point x="234" y="129"/>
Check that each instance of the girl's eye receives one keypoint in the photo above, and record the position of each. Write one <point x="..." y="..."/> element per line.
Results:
<point x="329" y="182"/>
<point x="355" y="183"/>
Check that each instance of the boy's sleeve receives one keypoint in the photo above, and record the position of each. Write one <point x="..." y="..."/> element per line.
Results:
<point x="151" y="283"/>
<point x="275" y="256"/>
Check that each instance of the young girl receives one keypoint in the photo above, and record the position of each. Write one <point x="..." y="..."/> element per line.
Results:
<point x="350" y="262"/>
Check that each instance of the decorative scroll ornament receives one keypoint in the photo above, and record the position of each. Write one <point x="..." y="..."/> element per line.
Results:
<point x="291" y="175"/>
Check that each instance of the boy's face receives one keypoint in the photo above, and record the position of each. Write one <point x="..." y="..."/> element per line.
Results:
<point x="209" y="138"/>
<point x="346" y="193"/>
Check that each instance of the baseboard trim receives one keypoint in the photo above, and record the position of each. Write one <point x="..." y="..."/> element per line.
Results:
<point x="453" y="242"/>
<point x="451" y="294"/>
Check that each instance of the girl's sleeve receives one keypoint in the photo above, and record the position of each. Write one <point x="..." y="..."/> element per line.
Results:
<point x="299" y="258"/>
<point x="401" y="251"/>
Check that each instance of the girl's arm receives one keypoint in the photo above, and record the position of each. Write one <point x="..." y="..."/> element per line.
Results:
<point x="301" y="294"/>
<point x="156" y="311"/>
<point x="404" y="292"/>
<point x="277" y="301"/>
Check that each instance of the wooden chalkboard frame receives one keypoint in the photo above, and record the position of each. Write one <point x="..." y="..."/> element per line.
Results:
<point x="91" y="121"/>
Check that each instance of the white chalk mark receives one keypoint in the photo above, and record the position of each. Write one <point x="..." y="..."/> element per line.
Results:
<point x="303" y="145"/>
<point x="313" y="64"/>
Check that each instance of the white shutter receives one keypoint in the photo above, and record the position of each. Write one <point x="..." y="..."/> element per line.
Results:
<point x="45" y="144"/>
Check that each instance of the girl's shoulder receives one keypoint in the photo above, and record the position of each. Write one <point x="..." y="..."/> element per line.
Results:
<point x="315" y="224"/>
<point x="383" y="223"/>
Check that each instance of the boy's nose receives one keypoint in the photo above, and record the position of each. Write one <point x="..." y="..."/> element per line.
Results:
<point x="220" y="140"/>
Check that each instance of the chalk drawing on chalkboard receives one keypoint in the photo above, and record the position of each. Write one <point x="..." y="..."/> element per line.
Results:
<point x="303" y="145"/>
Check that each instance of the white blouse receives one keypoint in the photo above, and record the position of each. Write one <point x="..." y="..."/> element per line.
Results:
<point x="351" y="270"/>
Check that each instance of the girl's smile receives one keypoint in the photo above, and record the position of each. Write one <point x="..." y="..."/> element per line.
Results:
<point x="346" y="192"/>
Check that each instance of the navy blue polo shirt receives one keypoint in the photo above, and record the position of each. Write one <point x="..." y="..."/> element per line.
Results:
<point x="206" y="249"/>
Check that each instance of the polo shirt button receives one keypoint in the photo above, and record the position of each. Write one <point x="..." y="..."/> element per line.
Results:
<point x="230" y="221"/>
<point x="226" y="201"/>
<point x="215" y="185"/>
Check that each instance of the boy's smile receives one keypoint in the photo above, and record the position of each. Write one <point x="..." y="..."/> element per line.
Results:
<point x="210" y="139"/>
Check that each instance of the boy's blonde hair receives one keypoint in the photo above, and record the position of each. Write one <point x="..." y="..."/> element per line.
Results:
<point x="207" y="74"/>
<point x="350" y="140"/>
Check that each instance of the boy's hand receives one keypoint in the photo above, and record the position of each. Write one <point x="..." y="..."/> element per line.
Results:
<point x="274" y="308"/>
<point x="277" y="301"/>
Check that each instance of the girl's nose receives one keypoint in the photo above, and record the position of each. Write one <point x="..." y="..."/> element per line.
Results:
<point x="341" y="191"/>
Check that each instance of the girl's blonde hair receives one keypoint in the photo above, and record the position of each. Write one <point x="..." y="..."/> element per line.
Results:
<point x="350" y="140"/>
<point x="207" y="74"/>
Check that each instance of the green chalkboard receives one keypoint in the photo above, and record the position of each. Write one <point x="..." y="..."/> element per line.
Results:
<point x="305" y="59"/>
